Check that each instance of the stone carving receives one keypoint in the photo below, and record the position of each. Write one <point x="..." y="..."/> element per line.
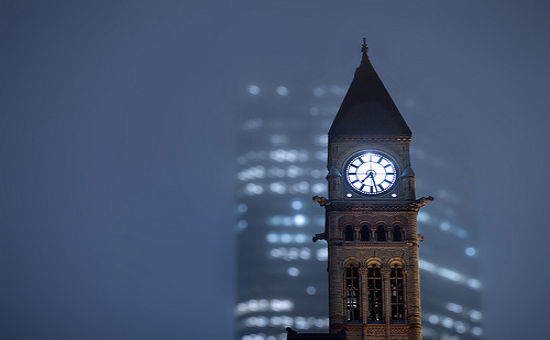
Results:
<point x="321" y="200"/>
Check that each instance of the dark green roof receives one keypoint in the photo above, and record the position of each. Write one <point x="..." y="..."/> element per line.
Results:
<point x="367" y="108"/>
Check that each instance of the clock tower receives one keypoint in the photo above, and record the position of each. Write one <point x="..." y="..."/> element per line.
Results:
<point x="371" y="216"/>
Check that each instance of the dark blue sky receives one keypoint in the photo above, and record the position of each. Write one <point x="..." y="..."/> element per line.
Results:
<point x="117" y="134"/>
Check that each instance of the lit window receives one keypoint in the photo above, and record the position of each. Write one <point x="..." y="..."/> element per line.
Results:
<point x="282" y="90"/>
<point x="253" y="189"/>
<point x="300" y="238"/>
<point x="297" y="205"/>
<point x="241" y="225"/>
<point x="294" y="171"/>
<point x="272" y="238"/>
<point x="277" y="187"/>
<point x="299" y="220"/>
<point x="453" y="307"/>
<point x="475" y="315"/>
<point x="397" y="293"/>
<point x="447" y="322"/>
<point x="305" y="253"/>
<point x="470" y="251"/>
<point x="433" y="319"/>
<point x="352" y="296"/>
<point x="477" y="331"/>
<point x="374" y="284"/>
<point x="460" y="327"/>
<point x="322" y="254"/>
<point x="293" y="271"/>
<point x="253" y="89"/>
<point x="474" y="283"/>
<point x="286" y="238"/>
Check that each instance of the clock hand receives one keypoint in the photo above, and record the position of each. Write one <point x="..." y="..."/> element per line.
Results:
<point x="369" y="175"/>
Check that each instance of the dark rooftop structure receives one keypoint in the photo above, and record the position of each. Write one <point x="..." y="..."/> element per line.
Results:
<point x="367" y="108"/>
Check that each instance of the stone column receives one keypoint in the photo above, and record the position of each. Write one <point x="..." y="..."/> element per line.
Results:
<point x="413" y="296"/>
<point x="387" y="299"/>
<point x="363" y="271"/>
<point x="372" y="233"/>
<point x="405" y="284"/>
<point x="336" y="297"/>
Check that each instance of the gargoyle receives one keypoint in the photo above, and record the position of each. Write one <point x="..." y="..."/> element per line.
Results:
<point x="320" y="236"/>
<point x="423" y="201"/>
<point x="321" y="200"/>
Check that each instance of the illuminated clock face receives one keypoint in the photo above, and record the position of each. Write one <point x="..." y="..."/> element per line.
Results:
<point x="371" y="173"/>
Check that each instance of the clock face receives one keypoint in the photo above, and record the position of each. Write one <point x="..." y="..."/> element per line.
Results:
<point x="371" y="173"/>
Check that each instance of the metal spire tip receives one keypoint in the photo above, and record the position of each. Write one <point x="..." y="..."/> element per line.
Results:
<point x="364" y="47"/>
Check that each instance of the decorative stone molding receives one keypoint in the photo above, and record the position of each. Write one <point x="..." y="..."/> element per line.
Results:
<point x="372" y="139"/>
<point x="376" y="329"/>
<point x="401" y="329"/>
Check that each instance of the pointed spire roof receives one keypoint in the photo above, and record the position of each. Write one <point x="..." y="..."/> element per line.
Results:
<point x="367" y="108"/>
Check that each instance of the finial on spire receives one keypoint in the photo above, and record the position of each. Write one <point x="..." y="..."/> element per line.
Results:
<point x="364" y="47"/>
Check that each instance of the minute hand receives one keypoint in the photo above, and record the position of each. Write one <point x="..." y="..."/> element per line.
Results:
<point x="369" y="175"/>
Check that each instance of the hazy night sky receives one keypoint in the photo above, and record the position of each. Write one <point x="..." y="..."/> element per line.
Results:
<point x="117" y="147"/>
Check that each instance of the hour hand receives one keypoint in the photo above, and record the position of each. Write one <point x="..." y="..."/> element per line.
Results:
<point x="369" y="175"/>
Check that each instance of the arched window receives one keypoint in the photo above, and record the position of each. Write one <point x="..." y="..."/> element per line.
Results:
<point x="397" y="293"/>
<point x="348" y="233"/>
<point x="374" y="285"/>
<point x="397" y="233"/>
<point x="365" y="233"/>
<point x="352" y="293"/>
<point x="380" y="233"/>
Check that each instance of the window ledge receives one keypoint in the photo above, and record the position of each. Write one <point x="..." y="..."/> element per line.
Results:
<point x="399" y="322"/>
<point x="376" y="322"/>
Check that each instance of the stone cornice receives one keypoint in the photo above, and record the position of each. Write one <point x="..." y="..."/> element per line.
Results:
<point x="377" y="139"/>
<point x="412" y="206"/>
<point x="378" y="206"/>
<point x="367" y="244"/>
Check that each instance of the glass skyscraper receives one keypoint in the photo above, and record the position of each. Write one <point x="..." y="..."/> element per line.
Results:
<point x="281" y="164"/>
